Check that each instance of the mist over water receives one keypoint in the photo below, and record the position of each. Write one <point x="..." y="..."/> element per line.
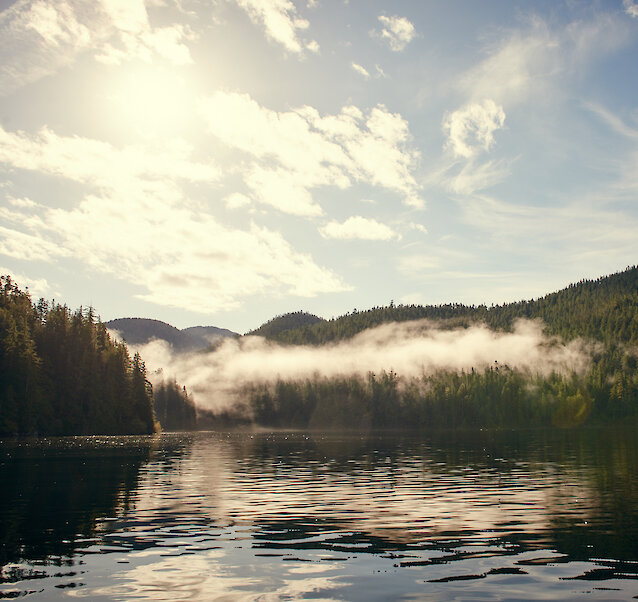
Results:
<point x="410" y="349"/>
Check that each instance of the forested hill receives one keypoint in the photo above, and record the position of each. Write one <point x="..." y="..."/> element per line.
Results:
<point x="61" y="374"/>
<point x="279" y="326"/>
<point x="605" y="309"/>
<point x="137" y="331"/>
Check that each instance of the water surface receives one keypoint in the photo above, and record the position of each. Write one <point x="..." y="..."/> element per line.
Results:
<point x="468" y="516"/>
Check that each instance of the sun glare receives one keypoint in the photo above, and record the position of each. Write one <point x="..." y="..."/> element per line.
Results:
<point x="152" y="103"/>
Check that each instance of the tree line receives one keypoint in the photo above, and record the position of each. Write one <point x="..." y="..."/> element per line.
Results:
<point x="62" y="374"/>
<point x="603" y="310"/>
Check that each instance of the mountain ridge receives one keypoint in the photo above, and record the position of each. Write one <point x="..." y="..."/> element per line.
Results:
<point x="139" y="331"/>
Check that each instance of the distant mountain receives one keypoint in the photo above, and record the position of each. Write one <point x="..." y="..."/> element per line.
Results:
<point x="138" y="331"/>
<point x="290" y="321"/>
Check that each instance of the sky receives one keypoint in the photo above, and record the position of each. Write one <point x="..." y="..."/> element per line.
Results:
<point x="221" y="162"/>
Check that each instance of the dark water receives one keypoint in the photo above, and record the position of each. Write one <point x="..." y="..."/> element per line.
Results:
<point x="549" y="515"/>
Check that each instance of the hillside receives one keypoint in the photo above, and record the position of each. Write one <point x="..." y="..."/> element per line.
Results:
<point x="605" y="309"/>
<point x="281" y="325"/>
<point x="138" y="331"/>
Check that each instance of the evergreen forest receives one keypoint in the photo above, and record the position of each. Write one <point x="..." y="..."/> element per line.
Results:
<point x="604" y="311"/>
<point x="61" y="374"/>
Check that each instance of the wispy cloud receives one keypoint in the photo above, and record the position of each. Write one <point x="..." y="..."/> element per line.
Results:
<point x="338" y="150"/>
<point x="360" y="228"/>
<point x="588" y="237"/>
<point x="475" y="176"/>
<point x="361" y="70"/>
<point x="281" y="23"/>
<point x="534" y="62"/>
<point x="397" y="31"/>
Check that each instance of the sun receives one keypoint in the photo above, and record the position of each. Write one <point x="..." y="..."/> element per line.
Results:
<point x="151" y="102"/>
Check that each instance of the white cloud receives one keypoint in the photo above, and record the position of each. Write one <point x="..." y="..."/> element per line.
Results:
<point x="38" y="38"/>
<point x="358" y="227"/>
<point x="56" y="24"/>
<point x="337" y="150"/>
<point x="281" y="23"/>
<point x="99" y="163"/>
<point x="631" y="8"/>
<point x="471" y="128"/>
<point x="27" y="247"/>
<point x="135" y="38"/>
<point x="236" y="200"/>
<point x="397" y="31"/>
<point x="139" y="225"/>
<point x="282" y="189"/>
<point x="360" y="70"/>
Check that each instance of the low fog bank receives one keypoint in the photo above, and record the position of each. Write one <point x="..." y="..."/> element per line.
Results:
<point x="411" y="349"/>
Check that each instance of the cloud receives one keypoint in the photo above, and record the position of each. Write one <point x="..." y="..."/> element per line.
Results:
<point x="613" y="121"/>
<point x="397" y="31"/>
<point x="471" y="129"/>
<point x="411" y="349"/>
<point x="56" y="25"/>
<point x="360" y="70"/>
<point x="517" y="66"/>
<point x="631" y="8"/>
<point x="98" y="163"/>
<point x="138" y="225"/>
<point x="420" y="227"/>
<point x="587" y="237"/>
<point x="358" y="227"/>
<point x="236" y="200"/>
<point x="413" y="265"/>
<point x="536" y="62"/>
<point x="134" y="38"/>
<point x="337" y="150"/>
<point x="281" y="23"/>
<point x="39" y="38"/>
<point x="475" y="176"/>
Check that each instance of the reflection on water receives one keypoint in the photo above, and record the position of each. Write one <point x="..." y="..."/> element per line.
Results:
<point x="479" y="515"/>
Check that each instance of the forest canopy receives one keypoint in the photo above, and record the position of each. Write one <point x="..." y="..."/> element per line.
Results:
<point x="62" y="374"/>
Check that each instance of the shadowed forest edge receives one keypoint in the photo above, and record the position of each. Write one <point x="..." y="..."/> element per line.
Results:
<point x="61" y="373"/>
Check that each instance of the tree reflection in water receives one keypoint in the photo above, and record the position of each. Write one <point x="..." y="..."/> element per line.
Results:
<point x="300" y="514"/>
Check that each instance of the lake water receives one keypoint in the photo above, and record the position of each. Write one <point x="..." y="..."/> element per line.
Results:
<point x="538" y="515"/>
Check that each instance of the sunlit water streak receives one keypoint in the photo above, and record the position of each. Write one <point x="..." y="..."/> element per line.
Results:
<point x="269" y="516"/>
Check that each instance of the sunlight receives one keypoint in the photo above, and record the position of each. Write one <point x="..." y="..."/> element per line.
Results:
<point x="151" y="102"/>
